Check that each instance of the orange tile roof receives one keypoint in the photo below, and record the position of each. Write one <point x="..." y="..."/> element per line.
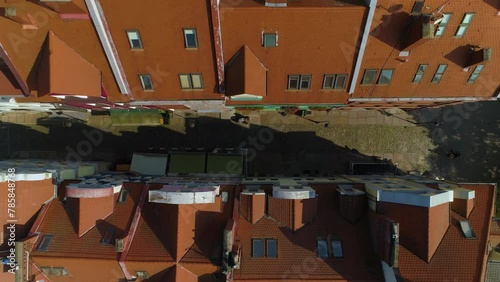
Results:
<point x="456" y="258"/>
<point x="315" y="40"/>
<point x="296" y="255"/>
<point x="25" y="46"/>
<point x="245" y="74"/>
<point x="164" y="56"/>
<point x="66" y="243"/>
<point x="66" y="72"/>
<point x="388" y="28"/>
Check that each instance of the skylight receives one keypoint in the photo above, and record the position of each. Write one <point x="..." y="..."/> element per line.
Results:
<point x="467" y="229"/>
<point x="322" y="249"/>
<point x="337" y="250"/>
<point x="44" y="245"/>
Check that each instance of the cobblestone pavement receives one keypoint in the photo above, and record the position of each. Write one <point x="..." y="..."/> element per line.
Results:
<point x="351" y="134"/>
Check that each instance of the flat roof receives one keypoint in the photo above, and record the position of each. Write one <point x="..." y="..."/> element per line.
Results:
<point x="187" y="162"/>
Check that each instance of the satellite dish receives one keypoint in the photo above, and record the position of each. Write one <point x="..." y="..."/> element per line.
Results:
<point x="395" y="8"/>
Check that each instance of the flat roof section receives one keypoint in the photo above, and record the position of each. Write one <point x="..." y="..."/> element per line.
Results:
<point x="187" y="162"/>
<point x="225" y="164"/>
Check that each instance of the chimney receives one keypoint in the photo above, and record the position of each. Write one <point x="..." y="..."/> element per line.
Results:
<point x="351" y="203"/>
<point x="276" y="3"/>
<point x="478" y="55"/>
<point x="293" y="206"/>
<point x="463" y="199"/>
<point x="86" y="205"/>
<point x="252" y="204"/>
<point x="420" y="30"/>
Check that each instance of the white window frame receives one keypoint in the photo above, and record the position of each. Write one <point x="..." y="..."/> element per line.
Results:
<point x="269" y="34"/>
<point x="305" y="78"/>
<point x="374" y="79"/>
<point x="189" y="77"/>
<point x="422" y="68"/>
<point x="438" y="75"/>
<point x="143" y="76"/>
<point x="442" y="24"/>
<point x="335" y="79"/>
<point x="130" y="34"/>
<point x="475" y="74"/>
<point x="293" y="77"/>
<point x="464" y="25"/>
<point x="186" y="32"/>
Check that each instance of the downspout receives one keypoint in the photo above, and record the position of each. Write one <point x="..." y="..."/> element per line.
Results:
<point x="101" y="26"/>
<point x="219" y="54"/>
<point x="372" y="4"/>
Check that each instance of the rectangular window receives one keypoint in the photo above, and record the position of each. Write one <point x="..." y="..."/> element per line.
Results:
<point x="269" y="40"/>
<point x="299" y="82"/>
<point x="417" y="7"/>
<point x="271" y="248"/>
<point x="134" y="38"/>
<point x="337" y="250"/>
<point x="420" y="73"/>
<point x="191" y="81"/>
<point x="385" y="77"/>
<point x="475" y="74"/>
<point x="108" y="237"/>
<point x="54" y="271"/>
<point x="322" y="249"/>
<point x="45" y="243"/>
<point x="146" y="82"/>
<point x="340" y="81"/>
<point x="467" y="229"/>
<point x="442" y="24"/>
<point x="439" y="73"/>
<point x="328" y="81"/>
<point x="464" y="25"/>
<point x="305" y="82"/>
<point x="190" y="40"/>
<point x="257" y="248"/>
<point x="123" y="196"/>
<point x="369" y="77"/>
<point x="142" y="274"/>
<point x="293" y="81"/>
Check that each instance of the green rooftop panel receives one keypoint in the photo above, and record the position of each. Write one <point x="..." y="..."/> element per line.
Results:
<point x="225" y="163"/>
<point x="187" y="163"/>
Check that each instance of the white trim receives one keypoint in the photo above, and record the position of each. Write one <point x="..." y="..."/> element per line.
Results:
<point x="366" y="32"/>
<point x="100" y="24"/>
<point x="280" y="5"/>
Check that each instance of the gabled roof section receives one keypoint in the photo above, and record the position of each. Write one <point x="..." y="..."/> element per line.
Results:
<point x="11" y="82"/>
<point x="456" y="257"/>
<point x="63" y="71"/>
<point x="246" y="74"/>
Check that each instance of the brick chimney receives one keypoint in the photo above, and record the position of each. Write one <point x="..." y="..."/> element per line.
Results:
<point x="351" y="203"/>
<point x="276" y="3"/>
<point x="87" y="205"/>
<point x="252" y="205"/>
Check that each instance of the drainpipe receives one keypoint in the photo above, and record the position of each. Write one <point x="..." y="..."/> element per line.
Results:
<point x="372" y="4"/>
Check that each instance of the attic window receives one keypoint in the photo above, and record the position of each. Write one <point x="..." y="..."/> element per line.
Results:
<point x="141" y="274"/>
<point x="475" y="74"/>
<point x="439" y="73"/>
<point x="123" y="196"/>
<point x="191" y="81"/>
<point x="385" y="77"/>
<point x="134" y="39"/>
<point x="190" y="40"/>
<point x="299" y="82"/>
<point x="442" y="24"/>
<point x="269" y="40"/>
<point x="334" y="81"/>
<point x="420" y="73"/>
<point x="44" y="245"/>
<point x="146" y="82"/>
<point x="417" y="7"/>
<point x="108" y="237"/>
<point x="467" y="229"/>
<point x="464" y="25"/>
<point x="54" y="271"/>
<point x="337" y="249"/>
<point x="322" y="249"/>
<point x="257" y="248"/>
<point x="271" y="248"/>
<point x="369" y="77"/>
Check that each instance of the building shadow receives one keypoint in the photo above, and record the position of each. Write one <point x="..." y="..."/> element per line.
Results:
<point x="459" y="55"/>
<point x="493" y="3"/>
<point x="392" y="29"/>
